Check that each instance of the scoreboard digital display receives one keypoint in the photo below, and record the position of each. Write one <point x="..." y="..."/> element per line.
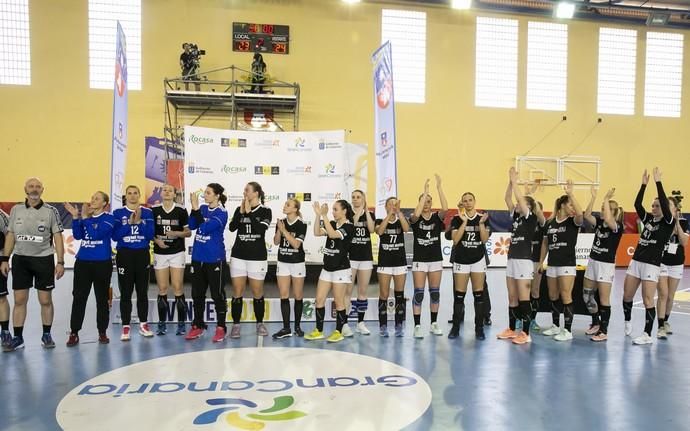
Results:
<point x="262" y="38"/>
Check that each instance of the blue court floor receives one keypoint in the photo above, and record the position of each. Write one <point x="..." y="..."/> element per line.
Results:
<point x="489" y="385"/>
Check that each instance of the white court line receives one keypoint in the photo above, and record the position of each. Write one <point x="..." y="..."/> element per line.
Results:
<point x="259" y="341"/>
<point x="635" y="304"/>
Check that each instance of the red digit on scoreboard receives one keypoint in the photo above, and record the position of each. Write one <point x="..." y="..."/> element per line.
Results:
<point x="267" y="29"/>
<point x="253" y="28"/>
<point x="279" y="48"/>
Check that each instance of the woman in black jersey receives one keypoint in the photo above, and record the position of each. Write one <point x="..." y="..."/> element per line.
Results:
<point x="171" y="228"/>
<point x="601" y="266"/>
<point x="469" y="234"/>
<point x="336" y="273"/>
<point x="361" y="260"/>
<point x="671" y="269"/>
<point x="644" y="268"/>
<point x="248" y="259"/>
<point x="289" y="237"/>
<point x="519" y="268"/>
<point x="560" y="241"/>
<point x="427" y="260"/>
<point x="392" y="264"/>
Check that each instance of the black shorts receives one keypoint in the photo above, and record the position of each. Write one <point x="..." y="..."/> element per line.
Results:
<point x="3" y="285"/>
<point x="28" y="271"/>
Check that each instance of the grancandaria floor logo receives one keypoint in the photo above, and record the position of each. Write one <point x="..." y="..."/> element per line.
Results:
<point x="250" y="389"/>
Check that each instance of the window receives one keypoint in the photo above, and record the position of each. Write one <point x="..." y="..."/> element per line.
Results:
<point x="103" y="17"/>
<point x="663" y="74"/>
<point x="496" y="63"/>
<point x="547" y="66"/>
<point x="15" y="47"/>
<point x="617" y="59"/>
<point x="406" y="30"/>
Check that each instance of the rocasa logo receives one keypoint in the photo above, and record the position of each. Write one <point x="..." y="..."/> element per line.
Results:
<point x="266" y="170"/>
<point x="271" y="198"/>
<point x="233" y="142"/>
<point x="225" y="410"/>
<point x="194" y="139"/>
<point x="233" y="169"/>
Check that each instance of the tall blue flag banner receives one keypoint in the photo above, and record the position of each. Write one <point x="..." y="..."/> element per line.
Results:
<point x="384" y="128"/>
<point x="119" y="154"/>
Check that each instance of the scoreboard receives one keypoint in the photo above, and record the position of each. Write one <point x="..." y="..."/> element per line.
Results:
<point x="262" y="38"/>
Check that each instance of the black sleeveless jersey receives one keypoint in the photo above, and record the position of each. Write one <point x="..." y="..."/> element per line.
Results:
<point x="336" y="250"/>
<point x="470" y="249"/>
<point x="524" y="229"/>
<point x="605" y="242"/>
<point x="674" y="252"/>
<point x="250" y="243"/>
<point x="360" y="249"/>
<point x="286" y="253"/>
<point x="562" y="239"/>
<point x="427" y="239"/>
<point x="655" y="235"/>
<point x="392" y="245"/>
<point x="175" y="220"/>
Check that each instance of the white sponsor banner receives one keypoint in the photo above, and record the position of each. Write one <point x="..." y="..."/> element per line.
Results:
<point x="119" y="135"/>
<point x="310" y="166"/>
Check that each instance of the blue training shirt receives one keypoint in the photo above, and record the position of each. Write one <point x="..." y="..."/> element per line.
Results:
<point x="95" y="233"/>
<point x="209" y="223"/>
<point x="135" y="236"/>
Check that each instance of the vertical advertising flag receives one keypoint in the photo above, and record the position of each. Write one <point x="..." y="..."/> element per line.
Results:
<point x="384" y="128"/>
<point x="119" y="151"/>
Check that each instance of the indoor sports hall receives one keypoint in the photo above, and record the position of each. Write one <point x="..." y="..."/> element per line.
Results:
<point x="344" y="215"/>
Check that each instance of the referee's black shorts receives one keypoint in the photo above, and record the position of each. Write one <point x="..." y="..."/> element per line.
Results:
<point x="28" y="271"/>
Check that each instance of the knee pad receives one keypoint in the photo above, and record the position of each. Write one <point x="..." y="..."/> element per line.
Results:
<point x="435" y="294"/>
<point x="418" y="297"/>
<point x="588" y="295"/>
<point x="459" y="296"/>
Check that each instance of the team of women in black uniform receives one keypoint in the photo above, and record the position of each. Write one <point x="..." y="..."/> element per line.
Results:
<point x="657" y="264"/>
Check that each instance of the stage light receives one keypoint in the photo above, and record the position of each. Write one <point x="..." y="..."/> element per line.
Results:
<point x="565" y="10"/>
<point x="352" y="1"/>
<point x="657" y="19"/>
<point x="461" y="4"/>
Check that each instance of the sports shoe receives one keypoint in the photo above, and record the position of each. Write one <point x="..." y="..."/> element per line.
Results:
<point x="507" y="334"/>
<point x="16" y="344"/>
<point x="661" y="334"/>
<point x="454" y="332"/>
<point x="383" y="331"/>
<point x="600" y="336"/>
<point x="667" y="327"/>
<point x="553" y="330"/>
<point x="593" y="329"/>
<point x="145" y="330"/>
<point x="194" y="333"/>
<point x="181" y="329"/>
<point x="362" y="329"/>
<point x="314" y="335"/>
<point x="628" y="328"/>
<point x="103" y="338"/>
<point x="347" y="332"/>
<point x="479" y="333"/>
<point x="6" y="338"/>
<point x="235" y="330"/>
<point x="522" y="338"/>
<point x="418" y="331"/>
<point x="643" y="339"/>
<point x="435" y="329"/>
<point x="299" y="332"/>
<point x="564" y="335"/>
<point x="47" y="341"/>
<point x="335" y="337"/>
<point x="219" y="335"/>
<point x="399" y="330"/>
<point x="487" y="320"/>
<point x="534" y="326"/>
<point x="261" y="330"/>
<point x="162" y="328"/>
<point x="125" y="333"/>
<point x="283" y="333"/>
<point x="73" y="340"/>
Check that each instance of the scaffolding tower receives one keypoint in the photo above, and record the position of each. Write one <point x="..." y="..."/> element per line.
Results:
<point x="226" y="104"/>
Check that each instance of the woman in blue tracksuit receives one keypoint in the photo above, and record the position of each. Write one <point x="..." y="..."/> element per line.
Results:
<point x="94" y="265"/>
<point x="208" y="259"/>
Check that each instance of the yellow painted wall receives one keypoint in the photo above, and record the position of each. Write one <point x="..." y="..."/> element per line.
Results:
<point x="59" y="129"/>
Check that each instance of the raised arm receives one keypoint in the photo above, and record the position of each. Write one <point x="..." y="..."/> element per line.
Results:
<point x="278" y="233"/>
<point x="588" y="211"/>
<point x="663" y="200"/>
<point x="318" y="230"/>
<point x="403" y="221"/>
<point x="420" y="204"/>
<point x="639" y="208"/>
<point x="609" y="220"/>
<point x="441" y="197"/>
<point x="576" y="205"/>
<point x="483" y="229"/>
<point x="509" y="196"/>
<point x="522" y="206"/>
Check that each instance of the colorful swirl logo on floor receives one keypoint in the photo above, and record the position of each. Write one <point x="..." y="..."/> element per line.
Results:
<point x="256" y="421"/>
